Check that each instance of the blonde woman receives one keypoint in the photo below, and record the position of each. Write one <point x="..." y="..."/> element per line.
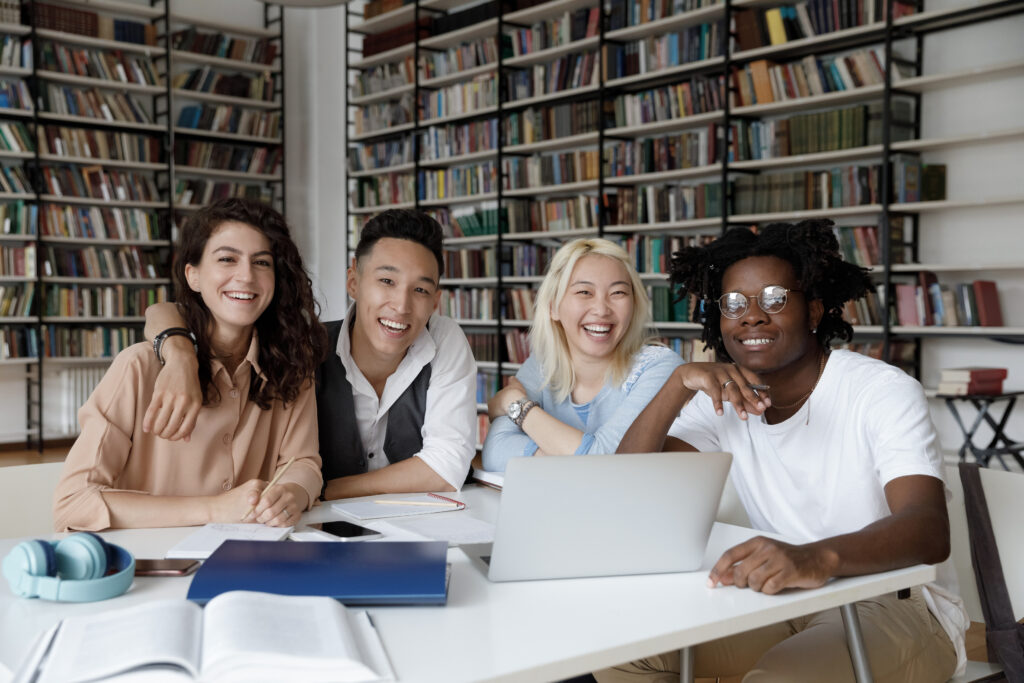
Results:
<point x="592" y="369"/>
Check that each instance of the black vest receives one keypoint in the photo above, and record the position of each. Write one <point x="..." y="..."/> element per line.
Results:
<point x="341" y="447"/>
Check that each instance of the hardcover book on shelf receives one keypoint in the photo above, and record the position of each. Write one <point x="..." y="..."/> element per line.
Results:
<point x="986" y="297"/>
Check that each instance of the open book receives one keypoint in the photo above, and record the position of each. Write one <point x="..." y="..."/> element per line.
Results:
<point x="239" y="636"/>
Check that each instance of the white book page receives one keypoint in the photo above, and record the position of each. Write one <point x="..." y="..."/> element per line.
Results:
<point x="258" y="636"/>
<point x="200" y="544"/>
<point x="107" y="643"/>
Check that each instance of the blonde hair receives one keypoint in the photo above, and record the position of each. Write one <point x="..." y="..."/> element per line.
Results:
<point x="547" y="337"/>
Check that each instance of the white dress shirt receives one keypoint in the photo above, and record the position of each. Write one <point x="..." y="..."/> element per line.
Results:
<point x="449" y="426"/>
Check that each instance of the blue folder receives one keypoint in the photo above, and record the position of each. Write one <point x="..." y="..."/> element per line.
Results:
<point x="378" y="573"/>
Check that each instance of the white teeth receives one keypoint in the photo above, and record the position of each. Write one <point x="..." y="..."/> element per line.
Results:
<point x="598" y="329"/>
<point x="756" y="342"/>
<point x="240" y="296"/>
<point x="392" y="325"/>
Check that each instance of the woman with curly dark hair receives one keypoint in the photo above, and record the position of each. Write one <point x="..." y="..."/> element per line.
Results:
<point x="241" y="286"/>
<point x="833" y="451"/>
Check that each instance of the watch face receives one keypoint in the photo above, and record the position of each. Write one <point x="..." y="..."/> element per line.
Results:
<point x="514" y="408"/>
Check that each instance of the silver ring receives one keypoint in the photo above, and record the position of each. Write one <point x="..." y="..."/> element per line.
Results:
<point x="728" y="382"/>
<point x="286" y="513"/>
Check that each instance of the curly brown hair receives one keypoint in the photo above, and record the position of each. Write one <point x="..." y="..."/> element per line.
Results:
<point x="809" y="246"/>
<point x="292" y="340"/>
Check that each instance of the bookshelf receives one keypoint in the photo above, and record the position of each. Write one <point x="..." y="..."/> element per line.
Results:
<point x="120" y="118"/>
<point x="397" y="163"/>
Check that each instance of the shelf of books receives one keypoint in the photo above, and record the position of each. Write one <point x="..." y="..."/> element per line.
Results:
<point x="522" y="124"/>
<point x="117" y="119"/>
<point x="226" y="88"/>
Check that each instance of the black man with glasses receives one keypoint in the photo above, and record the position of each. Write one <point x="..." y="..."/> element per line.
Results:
<point x="831" y="449"/>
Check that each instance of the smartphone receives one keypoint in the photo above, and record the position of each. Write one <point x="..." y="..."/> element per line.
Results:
<point x="165" y="567"/>
<point x="335" y="531"/>
<point x="349" y="531"/>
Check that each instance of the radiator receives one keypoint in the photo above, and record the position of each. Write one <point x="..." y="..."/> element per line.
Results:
<point x="76" y="384"/>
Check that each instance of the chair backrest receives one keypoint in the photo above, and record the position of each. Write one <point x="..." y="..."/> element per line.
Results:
<point x="731" y="510"/>
<point x="1004" y="493"/>
<point x="960" y="545"/>
<point x="27" y="495"/>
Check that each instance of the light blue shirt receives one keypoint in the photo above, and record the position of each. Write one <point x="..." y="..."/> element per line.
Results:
<point x="608" y="415"/>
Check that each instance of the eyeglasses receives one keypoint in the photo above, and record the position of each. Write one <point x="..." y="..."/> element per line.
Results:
<point x="772" y="299"/>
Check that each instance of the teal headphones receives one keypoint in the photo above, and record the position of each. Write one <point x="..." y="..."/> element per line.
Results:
<point x="80" y="568"/>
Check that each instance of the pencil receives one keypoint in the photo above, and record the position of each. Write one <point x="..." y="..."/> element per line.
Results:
<point x="272" y="482"/>
<point x="416" y="502"/>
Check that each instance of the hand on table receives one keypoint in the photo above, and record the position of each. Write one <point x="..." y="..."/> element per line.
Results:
<point x="769" y="566"/>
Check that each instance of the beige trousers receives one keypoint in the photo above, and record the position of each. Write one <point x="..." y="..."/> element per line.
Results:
<point x="905" y="644"/>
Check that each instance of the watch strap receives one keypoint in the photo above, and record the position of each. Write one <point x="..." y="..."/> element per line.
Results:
<point x="158" y="340"/>
<point x="525" y="405"/>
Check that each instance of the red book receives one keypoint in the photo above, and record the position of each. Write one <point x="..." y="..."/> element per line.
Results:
<point x="987" y="297"/>
<point x="970" y="388"/>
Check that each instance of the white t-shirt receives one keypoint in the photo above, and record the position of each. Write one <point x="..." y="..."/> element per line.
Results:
<point x="822" y="472"/>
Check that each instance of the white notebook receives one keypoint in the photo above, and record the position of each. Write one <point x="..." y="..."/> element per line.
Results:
<point x="200" y="544"/>
<point x="381" y="507"/>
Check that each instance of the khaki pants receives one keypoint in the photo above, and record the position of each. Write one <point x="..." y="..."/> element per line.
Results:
<point x="905" y="644"/>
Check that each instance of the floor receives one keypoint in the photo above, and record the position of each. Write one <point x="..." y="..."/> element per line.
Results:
<point x="975" y="635"/>
<point x="25" y="457"/>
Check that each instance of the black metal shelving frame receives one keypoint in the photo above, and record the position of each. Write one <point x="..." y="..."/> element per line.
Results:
<point x="886" y="35"/>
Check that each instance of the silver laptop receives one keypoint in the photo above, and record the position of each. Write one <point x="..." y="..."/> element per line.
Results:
<point x="604" y="515"/>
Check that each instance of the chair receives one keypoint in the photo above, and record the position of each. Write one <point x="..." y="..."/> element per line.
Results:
<point x="27" y="491"/>
<point x="730" y="509"/>
<point x="994" y="506"/>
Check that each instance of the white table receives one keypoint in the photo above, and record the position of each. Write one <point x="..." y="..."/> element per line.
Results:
<point x="521" y="631"/>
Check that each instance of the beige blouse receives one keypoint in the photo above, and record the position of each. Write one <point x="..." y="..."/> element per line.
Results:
<point x="233" y="441"/>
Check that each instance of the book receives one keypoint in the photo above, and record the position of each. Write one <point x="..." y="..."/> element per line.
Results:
<point x="494" y="480"/>
<point x="986" y="295"/>
<point x="239" y="636"/>
<point x="200" y="544"/>
<point x="983" y="387"/>
<point x="973" y="374"/>
<point x="906" y="305"/>
<point x="360" y="573"/>
<point x="398" y="506"/>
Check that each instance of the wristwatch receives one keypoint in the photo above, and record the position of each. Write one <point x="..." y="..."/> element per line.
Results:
<point x="518" y="409"/>
<point x="158" y="340"/>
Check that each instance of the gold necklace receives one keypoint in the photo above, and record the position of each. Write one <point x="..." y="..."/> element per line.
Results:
<point x="821" y="369"/>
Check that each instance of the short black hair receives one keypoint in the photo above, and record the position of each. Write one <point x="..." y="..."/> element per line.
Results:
<point x="809" y="246"/>
<point x="403" y="224"/>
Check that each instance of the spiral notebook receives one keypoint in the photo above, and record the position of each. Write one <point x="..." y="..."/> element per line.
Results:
<point x="381" y="507"/>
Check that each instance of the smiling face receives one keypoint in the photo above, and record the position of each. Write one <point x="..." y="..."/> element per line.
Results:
<point x="762" y="342"/>
<point x="234" y="277"/>
<point x="596" y="308"/>
<point x="395" y="287"/>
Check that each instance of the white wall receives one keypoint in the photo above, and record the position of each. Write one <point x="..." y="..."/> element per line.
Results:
<point x="991" y="235"/>
<point x="315" y="161"/>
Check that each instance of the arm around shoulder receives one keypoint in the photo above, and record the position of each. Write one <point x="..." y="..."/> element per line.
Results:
<point x="177" y="396"/>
